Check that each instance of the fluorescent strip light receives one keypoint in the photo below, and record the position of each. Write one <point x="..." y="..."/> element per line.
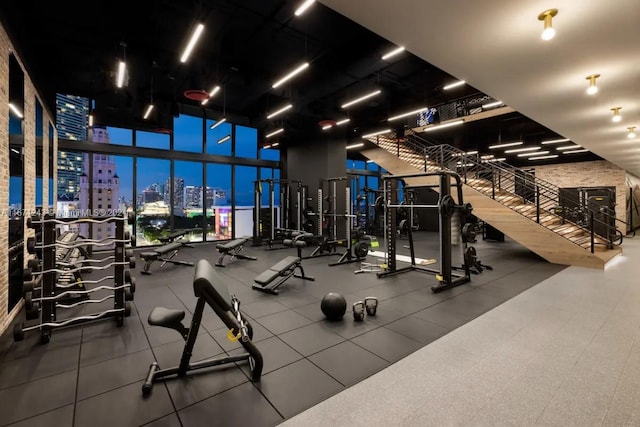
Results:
<point x="275" y="144"/>
<point x="15" y="151"/>
<point x="359" y="144"/>
<point x="492" y="104"/>
<point x="445" y="125"/>
<point x="536" y="153"/>
<point x="224" y="139"/>
<point x="497" y="159"/>
<point x="369" y="161"/>
<point x="520" y="150"/>
<point x="399" y="116"/>
<point x="122" y="67"/>
<point x="555" y="141"/>
<point x="194" y="39"/>
<point x="508" y="144"/>
<point x="218" y="123"/>
<point x="275" y="132"/>
<point x="90" y="120"/>
<point x="290" y="75"/>
<point x="487" y="156"/>
<point x="380" y="132"/>
<point x="471" y="153"/>
<point x="584" y="150"/>
<point x="149" y="109"/>
<point x="327" y="127"/>
<point x="303" y="7"/>
<point x="212" y="93"/>
<point x="393" y="52"/>
<point x="282" y="110"/>
<point x="568" y="147"/>
<point x="341" y="122"/>
<point x="455" y="84"/>
<point x="266" y="146"/>
<point x="15" y="111"/>
<point x="552" y="156"/>
<point x="362" y="98"/>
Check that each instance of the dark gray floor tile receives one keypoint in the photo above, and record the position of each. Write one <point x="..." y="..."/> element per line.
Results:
<point x="412" y="301"/>
<point x="348" y="363"/>
<point x="417" y="329"/>
<point x="25" y="369"/>
<point x="102" y="344"/>
<point x="474" y="303"/>
<point x="387" y="344"/>
<point x="264" y="308"/>
<point x="311" y="339"/>
<point x="283" y="321"/>
<point x="169" y="354"/>
<point x="124" y="406"/>
<point x="58" y="417"/>
<point x="224" y="410"/>
<point x="384" y="315"/>
<point x="203" y="383"/>
<point x="445" y="315"/>
<point x="37" y="397"/>
<point x="113" y="373"/>
<point x="283" y="387"/>
<point x="275" y="355"/>
<point x="31" y="345"/>
<point x="168" y="421"/>
<point x="348" y="328"/>
<point x="297" y="299"/>
<point x="311" y="311"/>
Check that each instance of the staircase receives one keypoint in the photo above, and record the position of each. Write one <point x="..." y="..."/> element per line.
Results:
<point x="513" y="201"/>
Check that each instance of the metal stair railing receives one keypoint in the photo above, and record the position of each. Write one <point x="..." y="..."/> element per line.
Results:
<point x="499" y="180"/>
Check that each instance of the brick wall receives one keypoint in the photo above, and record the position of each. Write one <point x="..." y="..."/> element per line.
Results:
<point x="600" y="173"/>
<point x="29" y="181"/>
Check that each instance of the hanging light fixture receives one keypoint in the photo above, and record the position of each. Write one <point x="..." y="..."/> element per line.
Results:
<point x="549" y="32"/>
<point x="224" y="111"/>
<point x="592" y="89"/>
<point x="616" y="114"/>
<point x="632" y="132"/>
<point x="121" y="73"/>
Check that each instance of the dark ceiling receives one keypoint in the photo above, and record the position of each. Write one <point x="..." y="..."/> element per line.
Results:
<point x="246" y="46"/>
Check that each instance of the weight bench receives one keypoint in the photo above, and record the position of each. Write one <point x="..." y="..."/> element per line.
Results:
<point x="269" y="280"/>
<point x="209" y="289"/>
<point x="176" y="235"/>
<point x="233" y="249"/>
<point x="157" y="255"/>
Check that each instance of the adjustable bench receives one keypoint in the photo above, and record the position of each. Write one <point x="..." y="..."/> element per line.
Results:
<point x="233" y="249"/>
<point x="157" y="255"/>
<point x="176" y="235"/>
<point x="271" y="279"/>
<point x="209" y="289"/>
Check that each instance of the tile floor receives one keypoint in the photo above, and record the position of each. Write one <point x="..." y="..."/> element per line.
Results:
<point x="91" y="375"/>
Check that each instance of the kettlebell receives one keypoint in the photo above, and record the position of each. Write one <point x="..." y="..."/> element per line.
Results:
<point x="371" y="305"/>
<point x="358" y="311"/>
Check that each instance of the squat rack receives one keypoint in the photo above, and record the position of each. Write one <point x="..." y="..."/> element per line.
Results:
<point x="283" y="221"/>
<point x="446" y="208"/>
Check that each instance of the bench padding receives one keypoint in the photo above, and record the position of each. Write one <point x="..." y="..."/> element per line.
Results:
<point x="208" y="281"/>
<point x="173" y="236"/>
<point x="281" y="267"/>
<point x="228" y="246"/>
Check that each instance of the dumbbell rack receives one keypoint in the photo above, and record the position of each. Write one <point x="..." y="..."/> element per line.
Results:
<point x="43" y="291"/>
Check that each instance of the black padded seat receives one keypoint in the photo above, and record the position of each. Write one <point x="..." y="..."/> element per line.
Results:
<point x="161" y="316"/>
<point x="207" y="277"/>
<point x="233" y="244"/>
<point x="171" y="237"/>
<point x="285" y="264"/>
<point x="149" y="256"/>
<point x="168" y="248"/>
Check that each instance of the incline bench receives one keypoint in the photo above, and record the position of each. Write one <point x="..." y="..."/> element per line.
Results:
<point x="157" y="254"/>
<point x="269" y="280"/>
<point x="233" y="249"/>
<point x="176" y="235"/>
<point x="209" y="289"/>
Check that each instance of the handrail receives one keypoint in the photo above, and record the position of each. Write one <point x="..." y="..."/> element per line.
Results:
<point x="503" y="178"/>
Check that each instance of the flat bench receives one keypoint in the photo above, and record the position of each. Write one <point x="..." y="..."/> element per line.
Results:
<point x="208" y="287"/>
<point x="233" y="249"/>
<point x="172" y="237"/>
<point x="157" y="254"/>
<point x="269" y="280"/>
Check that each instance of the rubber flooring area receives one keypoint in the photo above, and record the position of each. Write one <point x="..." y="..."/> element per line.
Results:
<point x="91" y="374"/>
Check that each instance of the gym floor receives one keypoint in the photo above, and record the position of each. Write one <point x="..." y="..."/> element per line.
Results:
<point x="91" y="375"/>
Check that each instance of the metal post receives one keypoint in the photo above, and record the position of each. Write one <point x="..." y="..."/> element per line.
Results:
<point x="538" y="204"/>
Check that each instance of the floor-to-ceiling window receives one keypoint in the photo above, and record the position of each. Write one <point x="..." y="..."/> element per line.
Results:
<point x="218" y="202"/>
<point x="153" y="200"/>
<point x="188" y="199"/>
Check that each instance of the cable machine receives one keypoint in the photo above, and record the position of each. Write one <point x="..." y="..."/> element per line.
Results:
<point x="270" y="225"/>
<point x="447" y="207"/>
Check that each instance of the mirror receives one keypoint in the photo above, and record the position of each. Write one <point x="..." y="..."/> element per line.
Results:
<point x="16" y="175"/>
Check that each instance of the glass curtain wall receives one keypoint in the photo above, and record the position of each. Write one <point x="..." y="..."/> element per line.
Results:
<point x="153" y="200"/>
<point x="188" y="199"/>
<point x="218" y="202"/>
<point x="244" y="190"/>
